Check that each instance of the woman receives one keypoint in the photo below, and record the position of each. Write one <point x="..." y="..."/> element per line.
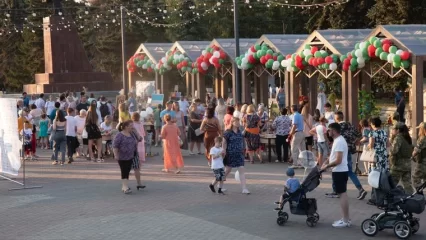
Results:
<point x="180" y="122"/>
<point x="379" y="142"/>
<point x="157" y="123"/>
<point x="263" y="117"/>
<point x="81" y="123"/>
<point x="172" y="155"/>
<point x="140" y="133"/>
<point x="282" y="126"/>
<point x="243" y="113"/>
<point x="49" y="106"/>
<point x="365" y="126"/>
<point x="237" y="112"/>
<point x="71" y="102"/>
<point x="419" y="157"/>
<point x="60" y="140"/>
<point x="233" y="148"/>
<point x="220" y="113"/>
<point x="123" y="114"/>
<point x="228" y="117"/>
<point x="329" y="113"/>
<point x="251" y="124"/>
<point x="94" y="133"/>
<point x="401" y="151"/>
<point x="307" y="126"/>
<point x="125" y="148"/>
<point x="211" y="128"/>
<point x="195" y="120"/>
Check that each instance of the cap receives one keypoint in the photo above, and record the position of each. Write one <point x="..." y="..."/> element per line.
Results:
<point x="421" y="125"/>
<point x="290" y="172"/>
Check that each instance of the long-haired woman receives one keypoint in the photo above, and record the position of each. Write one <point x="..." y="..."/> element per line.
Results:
<point x="172" y="155"/>
<point x="94" y="133"/>
<point x="60" y="140"/>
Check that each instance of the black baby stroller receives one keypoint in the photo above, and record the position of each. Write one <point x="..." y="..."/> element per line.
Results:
<point x="398" y="215"/>
<point x="299" y="203"/>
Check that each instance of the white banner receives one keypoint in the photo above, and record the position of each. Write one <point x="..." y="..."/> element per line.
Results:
<point x="10" y="145"/>
<point x="145" y="88"/>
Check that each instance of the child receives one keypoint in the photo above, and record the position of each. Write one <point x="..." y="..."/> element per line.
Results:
<point x="27" y="134"/>
<point x="320" y="131"/>
<point x="291" y="186"/>
<point x="44" y="126"/>
<point x="217" y="165"/>
<point x="106" y="129"/>
<point x="365" y="126"/>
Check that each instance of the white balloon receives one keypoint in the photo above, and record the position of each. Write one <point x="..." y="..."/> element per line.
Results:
<point x="216" y="54"/>
<point x="211" y="60"/>
<point x="307" y="52"/>
<point x="284" y="63"/>
<point x="399" y="52"/>
<point x="358" y="53"/>
<point x="204" y="52"/>
<point x="360" y="60"/>
<point x="275" y="65"/>
<point x="163" y="59"/>
<point x="362" y="45"/>
<point x="176" y="56"/>
<point x="149" y="110"/>
<point x="204" y="65"/>
<point x="390" y="57"/>
<point x="244" y="65"/>
<point x="144" y="114"/>
<point x="244" y="60"/>
<point x="144" y="66"/>
<point x="361" y="65"/>
<point x="333" y="66"/>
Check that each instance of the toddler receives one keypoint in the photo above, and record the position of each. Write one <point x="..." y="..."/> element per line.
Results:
<point x="291" y="186"/>
<point x="27" y="134"/>
<point x="43" y="134"/>
<point x="217" y="165"/>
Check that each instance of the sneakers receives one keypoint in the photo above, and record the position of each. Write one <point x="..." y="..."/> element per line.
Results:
<point x="362" y="194"/>
<point x="341" y="224"/>
<point x="277" y="203"/>
<point x="278" y="161"/>
<point x="332" y="195"/>
<point x="295" y="166"/>
<point x="212" y="188"/>
<point x="245" y="191"/>
<point x="220" y="192"/>
<point x="191" y="153"/>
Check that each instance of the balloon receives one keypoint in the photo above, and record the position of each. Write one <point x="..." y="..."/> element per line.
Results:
<point x="405" y="55"/>
<point x="386" y="47"/>
<point x="263" y="60"/>
<point x="317" y="54"/>
<point x="262" y="52"/>
<point x="204" y="65"/>
<point x="284" y="63"/>
<point x="390" y="57"/>
<point x="360" y="60"/>
<point x="280" y="58"/>
<point x="307" y="52"/>
<point x="362" y="45"/>
<point x="251" y="59"/>
<point x="358" y="53"/>
<point x="314" y="50"/>
<point x="383" y="56"/>
<point x="393" y="49"/>
<point x="397" y="58"/>
<point x="268" y="56"/>
<point x="328" y="60"/>
<point x="345" y="68"/>
<point x="257" y="47"/>
<point x="275" y="65"/>
<point x="354" y="62"/>
<point x="399" y="52"/>
<point x="361" y="65"/>
<point x="308" y="47"/>
<point x="352" y="68"/>
<point x="405" y="64"/>
<point x="378" y="52"/>
<point x="357" y="45"/>
<point x="320" y="61"/>
<point x="298" y="58"/>
<point x="396" y="64"/>
<point x="222" y="54"/>
<point x="372" y="40"/>
<point x="371" y="48"/>
<point x="269" y="63"/>
<point x="270" y="52"/>
<point x="216" y="54"/>
<point x="377" y="44"/>
<point x="333" y="67"/>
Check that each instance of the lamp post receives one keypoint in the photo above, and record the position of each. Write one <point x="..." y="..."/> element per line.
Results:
<point x="237" y="53"/>
<point x="123" y="51"/>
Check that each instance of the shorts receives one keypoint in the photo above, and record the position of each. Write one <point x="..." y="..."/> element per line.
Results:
<point x="323" y="148"/>
<point x="340" y="180"/>
<point x="219" y="174"/>
<point x="309" y="140"/>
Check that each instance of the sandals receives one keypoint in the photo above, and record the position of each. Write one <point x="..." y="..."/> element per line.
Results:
<point x="127" y="191"/>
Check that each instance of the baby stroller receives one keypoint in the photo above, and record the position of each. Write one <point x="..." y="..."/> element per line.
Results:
<point x="398" y="214"/>
<point x="299" y="203"/>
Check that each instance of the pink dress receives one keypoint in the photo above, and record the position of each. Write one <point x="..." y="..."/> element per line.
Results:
<point x="172" y="154"/>
<point x="141" y="145"/>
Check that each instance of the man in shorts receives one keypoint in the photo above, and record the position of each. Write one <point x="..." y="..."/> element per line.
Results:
<point x="339" y="162"/>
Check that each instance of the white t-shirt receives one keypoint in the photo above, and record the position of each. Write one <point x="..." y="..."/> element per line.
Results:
<point x="40" y="103"/>
<point x="183" y="106"/>
<point x="71" y="124"/>
<point x="340" y="145"/>
<point x="80" y="122"/>
<point x="106" y="128"/>
<point x="321" y="131"/>
<point x="236" y="114"/>
<point x="329" y="116"/>
<point x="216" y="162"/>
<point x="50" y="106"/>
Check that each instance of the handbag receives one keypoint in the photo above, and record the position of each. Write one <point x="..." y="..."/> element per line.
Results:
<point x="198" y="131"/>
<point x="374" y="178"/>
<point x="367" y="154"/>
<point x="84" y="135"/>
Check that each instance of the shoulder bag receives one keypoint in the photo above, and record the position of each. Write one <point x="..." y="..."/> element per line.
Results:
<point x="368" y="155"/>
<point x="374" y="178"/>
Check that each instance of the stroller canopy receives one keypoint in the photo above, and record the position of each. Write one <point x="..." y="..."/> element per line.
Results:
<point x="312" y="181"/>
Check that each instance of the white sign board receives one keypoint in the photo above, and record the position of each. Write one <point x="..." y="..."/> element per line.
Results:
<point x="145" y="88"/>
<point x="10" y="145"/>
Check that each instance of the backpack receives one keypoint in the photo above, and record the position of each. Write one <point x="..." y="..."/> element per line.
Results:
<point x="104" y="110"/>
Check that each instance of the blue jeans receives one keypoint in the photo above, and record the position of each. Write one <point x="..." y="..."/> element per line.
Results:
<point x="351" y="174"/>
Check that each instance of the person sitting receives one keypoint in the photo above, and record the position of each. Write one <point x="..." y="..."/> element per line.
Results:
<point x="291" y="186"/>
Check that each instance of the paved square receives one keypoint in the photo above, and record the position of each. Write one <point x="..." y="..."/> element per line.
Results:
<point x="83" y="201"/>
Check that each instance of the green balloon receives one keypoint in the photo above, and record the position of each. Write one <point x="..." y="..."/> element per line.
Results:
<point x="293" y="63"/>
<point x="324" y="54"/>
<point x="249" y="65"/>
<point x="269" y="63"/>
<point x="256" y="56"/>
<point x="377" y="44"/>
<point x="384" y="56"/>
<point x="326" y="65"/>
<point x="372" y="40"/>
<point x="335" y="58"/>
<point x="342" y="58"/>
<point x="257" y="47"/>
<point x="221" y="61"/>
<point x="304" y="62"/>
<point x="357" y="46"/>
<point x="348" y="54"/>
<point x="263" y="52"/>
<point x="259" y="53"/>
<point x="209" y="49"/>
<point x="293" y="56"/>
<point x="270" y="52"/>
<point x="296" y="69"/>
<point x="308" y="46"/>
<point x="264" y="47"/>
<point x="307" y="58"/>
<point x="405" y="64"/>
<point x="379" y="51"/>
<point x="318" y="54"/>
<point x="352" y="68"/>
<point x="301" y="54"/>
<point x="365" y="52"/>
<point x="353" y="53"/>
<point x="354" y="62"/>
<point x="397" y="58"/>
<point x="280" y="58"/>
<point x="393" y="49"/>
<point x="139" y="64"/>
<point x="396" y="64"/>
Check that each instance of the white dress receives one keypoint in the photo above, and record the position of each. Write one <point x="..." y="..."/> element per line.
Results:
<point x="321" y="101"/>
<point x="220" y="113"/>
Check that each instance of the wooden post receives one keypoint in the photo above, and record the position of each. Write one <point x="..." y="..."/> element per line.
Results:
<point x="245" y="87"/>
<point x="257" y="94"/>
<point x="352" y="109"/>
<point x="287" y="88"/>
<point x="345" y="77"/>
<point x="130" y="81"/>
<point x="294" y="89"/>
<point x="264" y="89"/>
<point x="193" y="86"/>
<point x="157" y="82"/>
<point x="217" y="84"/>
<point x="234" y="82"/>
<point x="313" y="93"/>
<point x="224" y="87"/>
<point x="417" y="89"/>
<point x="188" y="84"/>
<point x="201" y="84"/>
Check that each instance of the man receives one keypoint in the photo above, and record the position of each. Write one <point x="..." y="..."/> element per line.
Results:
<point x="49" y="106"/>
<point x="351" y="136"/>
<point x="40" y="103"/>
<point x="52" y="115"/>
<point x="297" y="137"/>
<point x="168" y="110"/>
<point x="26" y="99"/>
<point x="281" y="99"/>
<point x="132" y="104"/>
<point x="104" y="107"/>
<point x="183" y="106"/>
<point x="71" y="134"/>
<point x="337" y="107"/>
<point x="83" y="104"/>
<point x="338" y="161"/>
<point x="400" y="104"/>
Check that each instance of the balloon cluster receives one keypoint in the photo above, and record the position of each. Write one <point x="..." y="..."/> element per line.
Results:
<point x="262" y="54"/>
<point x="375" y="48"/>
<point x="171" y="59"/>
<point x="140" y="61"/>
<point x="210" y="56"/>
<point x="311" y="56"/>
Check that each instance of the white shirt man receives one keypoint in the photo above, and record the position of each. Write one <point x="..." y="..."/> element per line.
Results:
<point x="183" y="106"/>
<point x="338" y="161"/>
<point x="71" y="133"/>
<point x="40" y="103"/>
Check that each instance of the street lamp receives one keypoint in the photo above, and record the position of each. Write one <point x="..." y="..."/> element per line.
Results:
<point x="237" y="53"/>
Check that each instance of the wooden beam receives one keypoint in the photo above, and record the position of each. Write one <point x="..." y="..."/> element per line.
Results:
<point x="217" y="87"/>
<point x="313" y="93"/>
<point x="157" y="82"/>
<point x="245" y="87"/>
<point x="234" y="82"/>
<point x="201" y="86"/>
<point x="352" y="110"/>
<point x="188" y="83"/>
<point x="294" y="88"/>
<point x="224" y="85"/>
<point x="417" y="89"/>
<point x="264" y="88"/>
<point x="345" y="82"/>
<point x="287" y="88"/>
<point x="193" y="85"/>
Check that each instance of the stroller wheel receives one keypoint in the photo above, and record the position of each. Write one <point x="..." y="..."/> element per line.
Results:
<point x="311" y="221"/>
<point x="402" y="230"/>
<point x="281" y="220"/>
<point x="415" y="225"/>
<point x="316" y="216"/>
<point x="284" y="215"/>
<point x="370" y="227"/>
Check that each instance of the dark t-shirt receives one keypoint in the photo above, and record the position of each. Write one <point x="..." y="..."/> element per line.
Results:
<point x="84" y="106"/>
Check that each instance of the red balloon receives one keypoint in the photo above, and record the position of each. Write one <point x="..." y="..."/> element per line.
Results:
<point x="252" y="49"/>
<point x="371" y="48"/>
<point x="298" y="58"/>
<point x="405" y="55"/>
<point x="215" y="60"/>
<point x="345" y="68"/>
<point x="275" y="58"/>
<point x="347" y="61"/>
<point x="263" y="60"/>
<point x="222" y="55"/>
<point x="371" y="54"/>
<point x="288" y="56"/>
<point x="320" y="61"/>
<point x="386" y="47"/>
<point x="387" y="41"/>
<point x="208" y="55"/>
<point x="329" y="60"/>
<point x="251" y="59"/>
<point x="268" y="56"/>
<point x="149" y="69"/>
<point x="313" y="50"/>
<point x="184" y="63"/>
<point x="217" y="65"/>
<point x="200" y="60"/>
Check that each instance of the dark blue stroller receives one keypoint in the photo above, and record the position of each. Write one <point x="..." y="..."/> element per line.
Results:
<point x="299" y="203"/>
